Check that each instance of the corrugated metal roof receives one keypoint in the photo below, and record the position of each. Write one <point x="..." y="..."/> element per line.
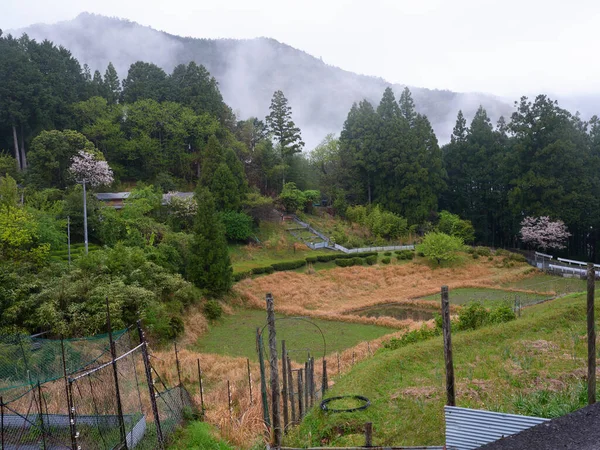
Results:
<point x="106" y="196"/>
<point x="468" y="429"/>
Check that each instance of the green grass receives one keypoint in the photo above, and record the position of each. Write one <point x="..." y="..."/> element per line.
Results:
<point x="534" y="364"/>
<point x="235" y="335"/>
<point x="487" y="296"/>
<point x="197" y="436"/>
<point x="545" y="283"/>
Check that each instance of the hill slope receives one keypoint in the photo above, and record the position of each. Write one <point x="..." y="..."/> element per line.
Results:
<point x="249" y="71"/>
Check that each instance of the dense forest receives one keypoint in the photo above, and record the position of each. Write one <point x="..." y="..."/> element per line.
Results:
<point x="63" y="128"/>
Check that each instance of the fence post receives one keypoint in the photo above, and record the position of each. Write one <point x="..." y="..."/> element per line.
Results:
<point x="200" y="385"/>
<point x="274" y="369"/>
<point x="70" y="412"/>
<point x="263" y="380"/>
<point x="353" y="357"/>
<point x="284" y="391"/>
<point x="306" y="383"/>
<point x="368" y="434"/>
<point x="451" y="400"/>
<point x="591" y="334"/>
<point x="249" y="379"/>
<point x="312" y="381"/>
<point x="300" y="395"/>
<point x="2" y="423"/>
<point x="338" y="361"/>
<point x="178" y="373"/>
<point x="150" y="382"/>
<point x="113" y="355"/>
<point x="229" y="400"/>
<point x="291" y="388"/>
<point x="39" y="389"/>
<point x="72" y="421"/>
<point x="325" y="381"/>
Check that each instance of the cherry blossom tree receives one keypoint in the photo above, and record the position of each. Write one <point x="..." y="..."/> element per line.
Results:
<point x="87" y="166"/>
<point x="544" y="233"/>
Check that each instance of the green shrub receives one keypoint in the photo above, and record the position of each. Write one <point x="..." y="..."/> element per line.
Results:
<point x="238" y="276"/>
<point x="213" y="310"/>
<point x="502" y="252"/>
<point x="472" y="316"/>
<point x="405" y="254"/>
<point x="385" y="260"/>
<point x="288" y="265"/>
<point x="259" y="270"/>
<point x="342" y="262"/>
<point x="387" y="254"/>
<point x="490" y="258"/>
<point x="483" y="251"/>
<point x="517" y="257"/>
<point x="176" y="327"/>
<point x="370" y="260"/>
<point x="502" y="314"/>
<point x="475" y="255"/>
<point x="238" y="226"/>
<point x="312" y="259"/>
<point x="358" y="261"/>
<point x="412" y="337"/>
<point x="470" y="250"/>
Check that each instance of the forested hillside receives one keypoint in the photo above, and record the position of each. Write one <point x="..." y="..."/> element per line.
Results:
<point x="249" y="71"/>
<point x="63" y="127"/>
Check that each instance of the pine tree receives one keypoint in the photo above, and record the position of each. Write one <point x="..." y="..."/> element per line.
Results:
<point x="283" y="128"/>
<point x="213" y="156"/>
<point x="407" y="107"/>
<point x="388" y="108"/>
<point x="225" y="189"/>
<point x="209" y="266"/>
<point x="112" y="84"/>
<point x="459" y="133"/>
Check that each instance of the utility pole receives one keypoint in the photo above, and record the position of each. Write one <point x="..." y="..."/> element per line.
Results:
<point x="85" y="230"/>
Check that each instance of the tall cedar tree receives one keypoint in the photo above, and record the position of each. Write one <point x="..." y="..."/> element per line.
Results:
<point x="112" y="84"/>
<point x="284" y="129"/>
<point x="209" y="266"/>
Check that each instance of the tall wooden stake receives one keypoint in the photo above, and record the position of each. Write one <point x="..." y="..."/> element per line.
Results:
<point x="263" y="381"/>
<point x="151" y="389"/>
<point x="113" y="355"/>
<point x="368" y="434"/>
<point x="306" y="384"/>
<point x="201" y="387"/>
<point x="591" y="334"/>
<point x="179" y="373"/>
<point x="325" y="381"/>
<point x="300" y="396"/>
<point x="274" y="369"/>
<point x="291" y="388"/>
<point x="338" y="360"/>
<point x="451" y="400"/>
<point x="229" y="400"/>
<point x="42" y="427"/>
<point x="284" y="391"/>
<point x="70" y="408"/>
<point x="250" y="380"/>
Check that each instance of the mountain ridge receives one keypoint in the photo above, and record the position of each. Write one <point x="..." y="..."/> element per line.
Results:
<point x="250" y="70"/>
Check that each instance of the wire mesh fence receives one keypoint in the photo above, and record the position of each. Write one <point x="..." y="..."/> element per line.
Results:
<point x="78" y="394"/>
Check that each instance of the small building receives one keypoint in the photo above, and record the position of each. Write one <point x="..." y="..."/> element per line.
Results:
<point x="117" y="199"/>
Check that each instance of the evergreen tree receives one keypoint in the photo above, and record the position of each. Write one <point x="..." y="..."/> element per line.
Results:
<point x="209" y="266"/>
<point x="112" y="85"/>
<point x="388" y="108"/>
<point x="225" y="190"/>
<point x="283" y="128"/>
<point x="212" y="158"/>
<point x="145" y="81"/>
<point x="407" y="107"/>
<point x="459" y="133"/>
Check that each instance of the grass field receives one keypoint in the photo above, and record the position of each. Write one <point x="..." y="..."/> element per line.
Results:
<point x="488" y="297"/>
<point x="546" y="283"/>
<point x="235" y="335"/>
<point x="534" y="365"/>
<point x="198" y="436"/>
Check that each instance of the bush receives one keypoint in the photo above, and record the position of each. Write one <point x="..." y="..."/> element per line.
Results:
<point x="387" y="254"/>
<point x="517" y="257"/>
<point x="288" y="265"/>
<point x="412" y="337"/>
<point x="385" y="260"/>
<point x="405" y="254"/>
<point x="475" y="315"/>
<point x="475" y="255"/>
<point x="470" y="250"/>
<point x="260" y="270"/>
<point x="312" y="259"/>
<point x="212" y="310"/>
<point x="358" y="261"/>
<point x="342" y="262"/>
<point x="176" y="327"/>
<point x="238" y="226"/>
<point x="440" y="247"/>
<point x="483" y="251"/>
<point x="238" y="276"/>
<point x="370" y="260"/>
<point x="502" y="314"/>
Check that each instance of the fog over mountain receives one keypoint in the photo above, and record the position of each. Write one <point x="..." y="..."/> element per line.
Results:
<point x="249" y="71"/>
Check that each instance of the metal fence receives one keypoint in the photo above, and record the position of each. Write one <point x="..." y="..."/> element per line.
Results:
<point x="92" y="393"/>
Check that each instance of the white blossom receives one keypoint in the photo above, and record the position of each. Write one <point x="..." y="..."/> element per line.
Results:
<point x="544" y="233"/>
<point x="85" y="166"/>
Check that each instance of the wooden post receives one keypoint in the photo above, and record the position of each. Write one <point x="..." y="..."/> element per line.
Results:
<point x="250" y="380"/>
<point x="229" y="400"/>
<point x="591" y="335"/>
<point x="70" y="408"/>
<point x="200" y="386"/>
<point x="73" y="421"/>
<point x="40" y="410"/>
<point x="291" y="388"/>
<point x="353" y="357"/>
<point x="179" y="373"/>
<point x="306" y="383"/>
<point x="369" y="348"/>
<point x="451" y="400"/>
<point x="263" y="381"/>
<point x="150" y="382"/>
<point x="338" y="360"/>
<point x="113" y="354"/>
<point x="300" y="396"/>
<point x="368" y="434"/>
<point x="274" y="369"/>
<point x="325" y="381"/>
<point x="284" y="391"/>
<point x="312" y="381"/>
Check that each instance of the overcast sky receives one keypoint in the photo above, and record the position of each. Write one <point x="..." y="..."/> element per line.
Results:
<point x="508" y="47"/>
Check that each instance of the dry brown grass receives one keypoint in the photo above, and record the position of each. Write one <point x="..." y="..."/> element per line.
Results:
<point x="329" y="294"/>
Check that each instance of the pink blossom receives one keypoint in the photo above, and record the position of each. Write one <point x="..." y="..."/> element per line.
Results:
<point x="544" y="233"/>
<point x="85" y="166"/>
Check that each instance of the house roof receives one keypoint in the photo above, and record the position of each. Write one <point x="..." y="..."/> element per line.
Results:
<point x="107" y="196"/>
<point x="576" y="431"/>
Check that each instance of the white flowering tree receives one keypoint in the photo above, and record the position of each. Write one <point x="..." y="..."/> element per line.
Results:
<point x="544" y="233"/>
<point x="88" y="167"/>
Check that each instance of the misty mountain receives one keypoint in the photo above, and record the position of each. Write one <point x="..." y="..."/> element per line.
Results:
<point x="249" y="71"/>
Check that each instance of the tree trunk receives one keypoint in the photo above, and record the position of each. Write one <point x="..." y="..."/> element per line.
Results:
<point x="16" y="143"/>
<point x="23" y="156"/>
